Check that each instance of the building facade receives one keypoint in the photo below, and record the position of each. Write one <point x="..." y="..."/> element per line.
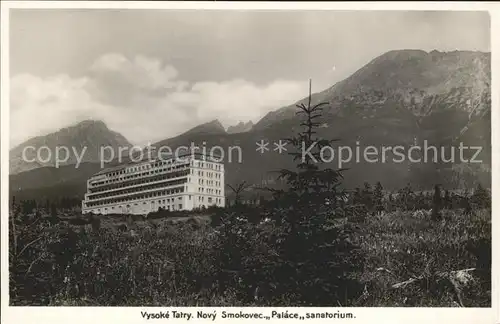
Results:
<point x="180" y="183"/>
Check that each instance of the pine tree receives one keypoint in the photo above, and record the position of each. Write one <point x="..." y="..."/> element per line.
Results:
<point x="310" y="184"/>
<point x="390" y="202"/>
<point x="315" y="256"/>
<point x="406" y="197"/>
<point x="357" y="198"/>
<point x="466" y="204"/>
<point x="447" y="199"/>
<point x="367" y="195"/>
<point x="378" y="195"/>
<point x="481" y="197"/>
<point x="436" y="203"/>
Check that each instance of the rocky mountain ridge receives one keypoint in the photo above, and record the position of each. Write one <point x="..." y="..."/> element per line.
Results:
<point x="400" y="98"/>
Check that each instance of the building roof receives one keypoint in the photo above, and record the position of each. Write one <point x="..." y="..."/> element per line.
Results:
<point x="162" y="158"/>
<point x="112" y="169"/>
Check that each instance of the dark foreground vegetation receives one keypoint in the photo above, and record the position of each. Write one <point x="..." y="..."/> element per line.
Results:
<point x="313" y="244"/>
<point x="231" y="259"/>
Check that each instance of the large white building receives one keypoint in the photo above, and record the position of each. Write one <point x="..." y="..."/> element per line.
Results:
<point x="176" y="183"/>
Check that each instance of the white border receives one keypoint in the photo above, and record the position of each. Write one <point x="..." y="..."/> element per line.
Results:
<point x="26" y="315"/>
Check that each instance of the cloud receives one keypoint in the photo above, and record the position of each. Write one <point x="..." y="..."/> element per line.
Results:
<point x="117" y="80"/>
<point x="140" y="97"/>
<point x="39" y="106"/>
<point x="236" y="100"/>
<point x="143" y="72"/>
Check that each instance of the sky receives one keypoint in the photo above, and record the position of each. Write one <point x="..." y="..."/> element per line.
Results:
<point x="153" y="74"/>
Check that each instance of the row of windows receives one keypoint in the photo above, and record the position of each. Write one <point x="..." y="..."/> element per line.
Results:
<point x="209" y="174"/>
<point x="134" y="182"/>
<point x="168" y="204"/>
<point x="213" y="183"/>
<point x="210" y="191"/>
<point x="201" y="182"/>
<point x="214" y="166"/>
<point x="141" y="167"/>
<point x="140" y="175"/>
<point x="157" y="164"/>
<point x="210" y="200"/>
<point x="103" y="185"/>
<point x="138" y="195"/>
<point x="113" y="201"/>
<point x="213" y="191"/>
<point x="123" y="208"/>
<point x="165" y="201"/>
<point x="163" y="184"/>
<point x="153" y="202"/>
<point x="213" y="175"/>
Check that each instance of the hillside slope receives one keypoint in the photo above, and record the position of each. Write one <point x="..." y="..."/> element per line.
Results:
<point x="400" y="98"/>
<point x="85" y="137"/>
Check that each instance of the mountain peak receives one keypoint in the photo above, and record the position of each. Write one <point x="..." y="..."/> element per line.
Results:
<point x="402" y="54"/>
<point x="416" y="69"/>
<point x="407" y="76"/>
<point x="211" y="127"/>
<point x="87" y="136"/>
<point x="241" y="127"/>
<point x="88" y="125"/>
<point x="91" y="122"/>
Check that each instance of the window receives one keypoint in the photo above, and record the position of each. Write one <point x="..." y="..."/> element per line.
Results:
<point x="180" y="206"/>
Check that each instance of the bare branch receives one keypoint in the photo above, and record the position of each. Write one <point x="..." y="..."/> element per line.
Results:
<point x="27" y="245"/>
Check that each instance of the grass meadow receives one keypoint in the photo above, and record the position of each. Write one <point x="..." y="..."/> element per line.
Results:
<point x="405" y="258"/>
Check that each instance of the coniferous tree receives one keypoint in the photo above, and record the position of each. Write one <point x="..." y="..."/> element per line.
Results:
<point x="310" y="186"/>
<point x="367" y="194"/>
<point x="378" y="196"/>
<point x="481" y="197"/>
<point x="436" y="203"/>
<point x="405" y="197"/>
<point x="420" y="203"/>
<point x="447" y="199"/>
<point x="390" y="202"/>
<point x="313" y="253"/>
<point x="357" y="198"/>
